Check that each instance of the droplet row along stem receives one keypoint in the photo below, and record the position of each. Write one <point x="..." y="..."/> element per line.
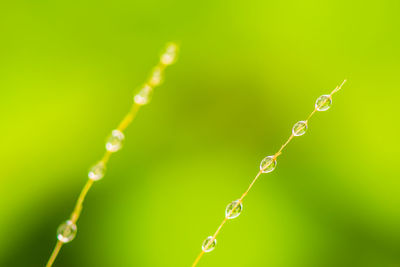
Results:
<point x="268" y="164"/>
<point x="66" y="232"/>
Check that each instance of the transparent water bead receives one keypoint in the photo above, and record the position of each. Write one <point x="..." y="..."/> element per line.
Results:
<point x="115" y="141"/>
<point x="323" y="102"/>
<point x="299" y="128"/>
<point x="66" y="232"/>
<point x="233" y="209"/>
<point x="170" y="54"/>
<point x="156" y="77"/>
<point x="268" y="164"/>
<point x="144" y="95"/>
<point x="97" y="171"/>
<point x="206" y="247"/>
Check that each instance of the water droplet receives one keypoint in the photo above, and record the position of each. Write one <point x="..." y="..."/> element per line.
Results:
<point x="299" y="128"/>
<point x="233" y="210"/>
<point x="144" y="95"/>
<point x="156" y="77"/>
<point x="115" y="141"/>
<point x="97" y="171"/>
<point x="323" y="102"/>
<point x="66" y="232"/>
<point x="207" y="246"/>
<point x="268" y="164"/>
<point x="169" y="56"/>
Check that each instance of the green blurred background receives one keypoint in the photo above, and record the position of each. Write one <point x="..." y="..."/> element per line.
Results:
<point x="247" y="71"/>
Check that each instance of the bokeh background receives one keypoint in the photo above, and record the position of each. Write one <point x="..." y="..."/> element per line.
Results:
<point x="248" y="70"/>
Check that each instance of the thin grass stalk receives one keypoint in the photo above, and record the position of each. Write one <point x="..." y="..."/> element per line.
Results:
<point x="323" y="103"/>
<point x="67" y="231"/>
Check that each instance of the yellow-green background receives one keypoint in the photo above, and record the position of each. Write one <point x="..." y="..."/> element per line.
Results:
<point x="248" y="70"/>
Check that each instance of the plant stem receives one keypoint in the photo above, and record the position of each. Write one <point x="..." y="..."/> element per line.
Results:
<point x="166" y="59"/>
<point x="276" y="155"/>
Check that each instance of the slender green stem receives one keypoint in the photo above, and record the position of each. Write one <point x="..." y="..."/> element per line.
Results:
<point x="276" y="155"/>
<point x="166" y="59"/>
